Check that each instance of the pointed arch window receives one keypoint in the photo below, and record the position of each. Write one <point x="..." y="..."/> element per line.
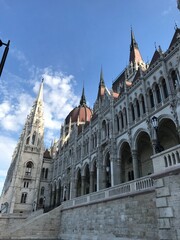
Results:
<point x="132" y="112"/>
<point x="151" y="98"/>
<point x="122" y="120"/>
<point x="33" y="138"/>
<point x="138" y="108"/>
<point x="23" y="197"/>
<point x="46" y="173"/>
<point x="27" y="140"/>
<point x="165" y="92"/>
<point x="143" y="104"/>
<point x="42" y="173"/>
<point x="104" y="130"/>
<point x="174" y="78"/>
<point x="158" y="94"/>
<point x="29" y="167"/>
<point x="42" y="190"/>
<point x="117" y="123"/>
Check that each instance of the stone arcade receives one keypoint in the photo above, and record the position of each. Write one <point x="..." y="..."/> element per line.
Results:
<point x="114" y="173"/>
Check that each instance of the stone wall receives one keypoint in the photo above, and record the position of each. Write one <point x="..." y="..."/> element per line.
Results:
<point x="168" y="204"/>
<point x="130" y="217"/>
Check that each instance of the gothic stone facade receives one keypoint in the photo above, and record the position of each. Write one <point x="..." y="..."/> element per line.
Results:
<point x="116" y="142"/>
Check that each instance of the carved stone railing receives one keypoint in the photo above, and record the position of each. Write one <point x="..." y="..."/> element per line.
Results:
<point x="121" y="190"/>
<point x="166" y="159"/>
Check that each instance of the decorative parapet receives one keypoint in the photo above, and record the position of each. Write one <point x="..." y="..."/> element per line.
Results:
<point x="118" y="191"/>
<point x="167" y="159"/>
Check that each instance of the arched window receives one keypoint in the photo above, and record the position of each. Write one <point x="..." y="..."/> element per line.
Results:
<point x="104" y="130"/>
<point x="42" y="191"/>
<point x="158" y="94"/>
<point x="143" y="104"/>
<point x="41" y="201"/>
<point x="122" y="120"/>
<point x="138" y="108"/>
<point x="46" y="173"/>
<point x="29" y="167"/>
<point x="23" y="197"/>
<point x="117" y="122"/>
<point x="27" y="140"/>
<point x="42" y="173"/>
<point x="33" y="138"/>
<point x="125" y="114"/>
<point x="151" y="98"/>
<point x="164" y="87"/>
<point x="132" y="111"/>
<point x="174" y="79"/>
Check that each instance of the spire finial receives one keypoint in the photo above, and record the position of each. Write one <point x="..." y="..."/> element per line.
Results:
<point x="175" y="27"/>
<point x="101" y="78"/>
<point x="83" y="98"/>
<point x="155" y="46"/>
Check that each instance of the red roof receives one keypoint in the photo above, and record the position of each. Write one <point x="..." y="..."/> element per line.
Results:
<point x="82" y="113"/>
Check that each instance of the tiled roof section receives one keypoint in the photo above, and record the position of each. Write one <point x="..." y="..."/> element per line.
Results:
<point x="155" y="57"/>
<point x="119" y="83"/>
<point x="47" y="154"/>
<point x="175" y="37"/>
<point x="115" y="95"/>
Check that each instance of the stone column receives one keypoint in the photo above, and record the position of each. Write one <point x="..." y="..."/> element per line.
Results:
<point x="104" y="176"/>
<point x="97" y="178"/>
<point x="135" y="164"/>
<point x="74" y="193"/>
<point x="112" y="173"/>
<point x="91" y="182"/>
<point x="83" y="185"/>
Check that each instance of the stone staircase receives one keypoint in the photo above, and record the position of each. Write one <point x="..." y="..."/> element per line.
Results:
<point x="43" y="226"/>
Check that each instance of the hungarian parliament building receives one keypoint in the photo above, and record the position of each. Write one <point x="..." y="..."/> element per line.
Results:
<point x="120" y="140"/>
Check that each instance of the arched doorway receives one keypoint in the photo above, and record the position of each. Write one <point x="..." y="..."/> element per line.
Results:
<point x="78" y="189"/>
<point x="94" y="177"/>
<point x="144" y="152"/>
<point x="167" y="133"/>
<point x="126" y="166"/>
<point x="87" y="180"/>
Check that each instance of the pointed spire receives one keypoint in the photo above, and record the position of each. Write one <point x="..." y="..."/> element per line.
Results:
<point x="83" y="98"/>
<point x="101" y="85"/>
<point x="135" y="55"/>
<point x="101" y="78"/>
<point x="133" y="41"/>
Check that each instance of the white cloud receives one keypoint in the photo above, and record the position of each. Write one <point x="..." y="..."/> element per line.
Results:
<point x="12" y="115"/>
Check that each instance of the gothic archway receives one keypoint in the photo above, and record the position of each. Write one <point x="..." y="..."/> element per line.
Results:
<point x="144" y="152"/>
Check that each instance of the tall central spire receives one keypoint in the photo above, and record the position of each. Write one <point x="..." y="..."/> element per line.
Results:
<point x="83" y="98"/>
<point x="135" y="55"/>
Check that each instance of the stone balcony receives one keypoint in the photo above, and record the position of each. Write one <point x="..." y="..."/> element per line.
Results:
<point x="167" y="160"/>
<point x="134" y="187"/>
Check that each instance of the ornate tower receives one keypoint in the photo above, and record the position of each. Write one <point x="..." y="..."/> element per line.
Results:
<point x="135" y="58"/>
<point x="20" y="190"/>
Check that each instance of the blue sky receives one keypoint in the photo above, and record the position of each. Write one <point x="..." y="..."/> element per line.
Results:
<point x="67" y="42"/>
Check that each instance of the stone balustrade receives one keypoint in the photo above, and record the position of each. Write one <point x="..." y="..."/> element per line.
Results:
<point x="166" y="159"/>
<point x="124" y="189"/>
